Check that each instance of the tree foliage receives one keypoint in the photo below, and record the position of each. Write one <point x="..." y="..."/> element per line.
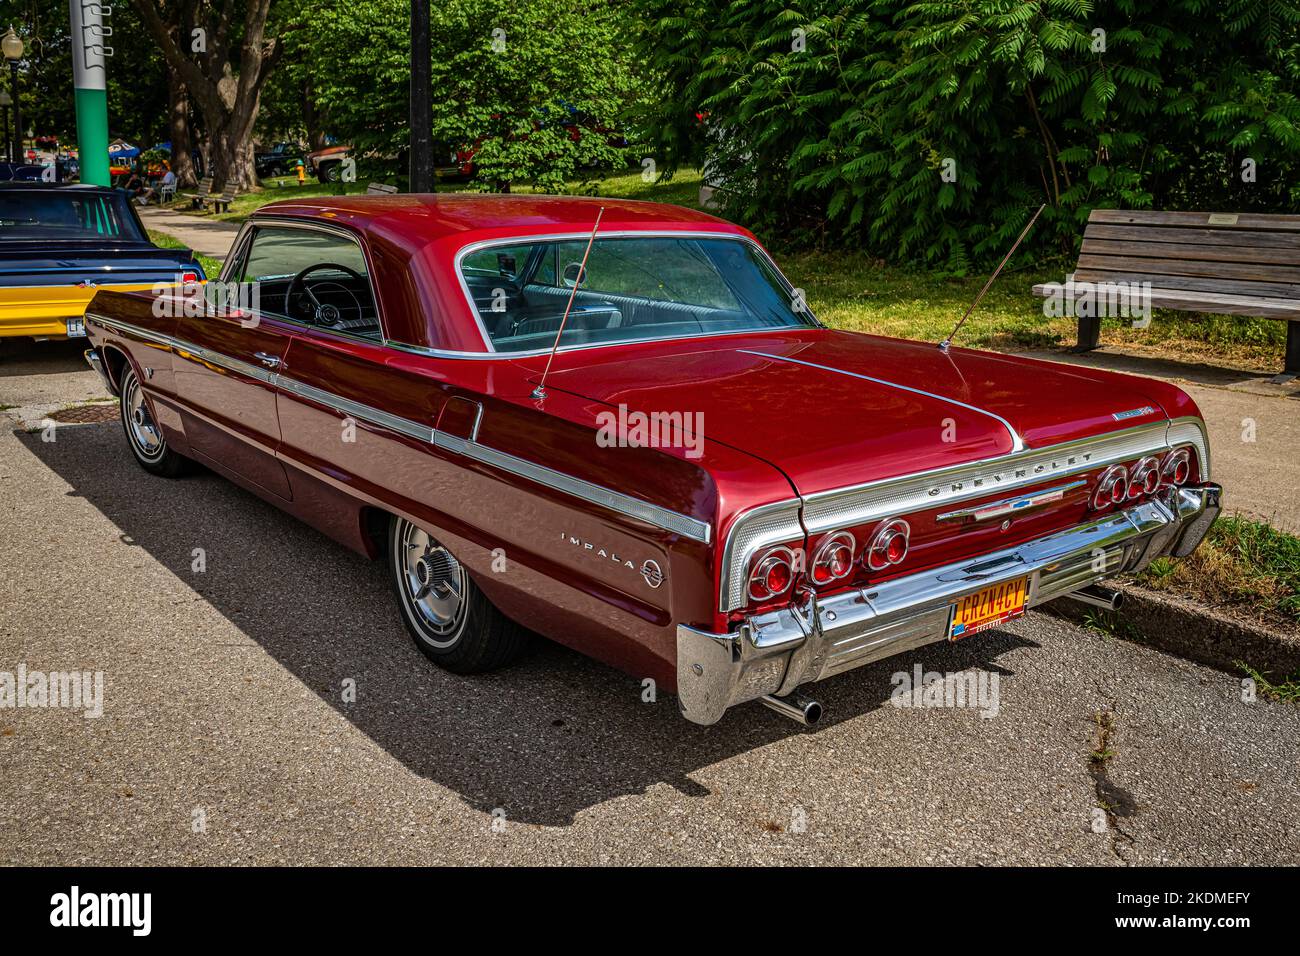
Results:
<point x="507" y="77"/>
<point x="932" y="130"/>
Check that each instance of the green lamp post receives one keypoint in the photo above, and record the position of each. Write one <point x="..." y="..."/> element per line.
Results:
<point x="89" y="77"/>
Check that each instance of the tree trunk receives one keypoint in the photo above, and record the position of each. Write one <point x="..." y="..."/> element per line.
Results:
<point x="312" y="120"/>
<point x="178" y="114"/>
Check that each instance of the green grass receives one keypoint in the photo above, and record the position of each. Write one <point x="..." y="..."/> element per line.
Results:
<point x="1244" y="567"/>
<point x="163" y="241"/>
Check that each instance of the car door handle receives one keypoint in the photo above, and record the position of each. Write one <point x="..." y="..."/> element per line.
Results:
<point x="270" y="361"/>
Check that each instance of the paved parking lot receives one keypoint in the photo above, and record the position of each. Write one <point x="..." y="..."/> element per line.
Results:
<point x="226" y="735"/>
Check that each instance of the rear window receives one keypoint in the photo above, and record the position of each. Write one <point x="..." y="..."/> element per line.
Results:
<point x="41" y="214"/>
<point x="633" y="288"/>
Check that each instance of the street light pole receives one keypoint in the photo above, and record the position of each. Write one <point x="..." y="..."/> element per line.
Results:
<point x="6" y="101"/>
<point x="421" y="163"/>
<point x="11" y="45"/>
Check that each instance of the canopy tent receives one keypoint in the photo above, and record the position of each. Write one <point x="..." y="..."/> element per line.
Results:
<point x="120" y="149"/>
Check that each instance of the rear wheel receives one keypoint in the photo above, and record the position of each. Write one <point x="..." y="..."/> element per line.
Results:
<point x="450" y="619"/>
<point x="143" y="434"/>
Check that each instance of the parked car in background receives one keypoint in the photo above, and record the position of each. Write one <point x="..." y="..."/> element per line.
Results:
<point x="280" y="160"/>
<point x="60" y="244"/>
<point x="707" y="487"/>
<point x="327" y="164"/>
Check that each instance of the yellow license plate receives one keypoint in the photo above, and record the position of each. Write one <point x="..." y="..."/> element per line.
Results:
<point x="988" y="608"/>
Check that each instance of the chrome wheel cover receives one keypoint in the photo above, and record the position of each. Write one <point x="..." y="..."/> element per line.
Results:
<point x="434" y="585"/>
<point x="146" y="437"/>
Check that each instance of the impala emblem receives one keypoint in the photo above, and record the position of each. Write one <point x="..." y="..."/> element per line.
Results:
<point x="653" y="574"/>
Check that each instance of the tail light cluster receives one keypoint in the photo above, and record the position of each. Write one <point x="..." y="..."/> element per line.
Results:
<point x="833" y="559"/>
<point x="1119" y="484"/>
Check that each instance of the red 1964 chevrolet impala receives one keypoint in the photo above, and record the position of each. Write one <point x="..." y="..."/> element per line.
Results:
<point x="709" y="488"/>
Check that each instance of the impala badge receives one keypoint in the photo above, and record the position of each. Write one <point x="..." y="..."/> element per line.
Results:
<point x="1132" y="413"/>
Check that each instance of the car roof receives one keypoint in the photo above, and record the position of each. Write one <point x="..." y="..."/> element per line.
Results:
<point x="66" y="187"/>
<point x="416" y="219"/>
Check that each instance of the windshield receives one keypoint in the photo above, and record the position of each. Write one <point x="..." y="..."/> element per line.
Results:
<point x="650" y="287"/>
<point x="65" y="214"/>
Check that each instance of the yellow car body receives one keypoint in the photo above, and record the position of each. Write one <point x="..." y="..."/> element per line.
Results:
<point x="44" y="311"/>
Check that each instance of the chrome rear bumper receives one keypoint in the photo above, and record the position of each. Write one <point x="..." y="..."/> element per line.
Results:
<point x="775" y="653"/>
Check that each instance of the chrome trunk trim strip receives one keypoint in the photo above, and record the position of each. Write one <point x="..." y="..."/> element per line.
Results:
<point x="1017" y="443"/>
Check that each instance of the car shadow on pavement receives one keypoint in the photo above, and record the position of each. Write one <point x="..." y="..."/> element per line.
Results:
<point x="542" y="740"/>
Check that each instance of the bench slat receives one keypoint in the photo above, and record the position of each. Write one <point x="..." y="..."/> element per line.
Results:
<point x="1221" y="302"/>
<point x="1246" y="220"/>
<point x="1192" y="267"/>
<point x="1188" y="250"/>
<point x="1218" y="237"/>
<point x="1271" y="290"/>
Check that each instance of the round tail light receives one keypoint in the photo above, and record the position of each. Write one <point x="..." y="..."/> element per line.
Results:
<point x="1145" y="478"/>
<point x="1112" y="488"/>
<point x="1177" y="467"/>
<point x="833" y="558"/>
<point x="889" y="546"/>
<point x="772" y="575"/>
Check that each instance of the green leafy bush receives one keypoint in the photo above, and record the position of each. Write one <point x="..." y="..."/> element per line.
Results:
<point x="931" y="131"/>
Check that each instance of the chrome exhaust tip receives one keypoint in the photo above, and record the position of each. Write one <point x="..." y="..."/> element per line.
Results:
<point x="1098" y="596"/>
<point x="800" y="709"/>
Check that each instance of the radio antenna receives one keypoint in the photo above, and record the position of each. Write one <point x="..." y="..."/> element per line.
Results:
<point x="540" y="391"/>
<point x="943" y="346"/>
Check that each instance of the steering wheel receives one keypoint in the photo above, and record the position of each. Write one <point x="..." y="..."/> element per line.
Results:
<point x="323" y="313"/>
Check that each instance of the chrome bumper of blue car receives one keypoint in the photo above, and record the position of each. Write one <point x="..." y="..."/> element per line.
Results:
<point x="774" y="653"/>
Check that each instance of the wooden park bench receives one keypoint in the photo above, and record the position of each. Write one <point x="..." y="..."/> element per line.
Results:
<point x="220" y="203"/>
<point x="380" y="189"/>
<point x="204" y="190"/>
<point x="1225" y="263"/>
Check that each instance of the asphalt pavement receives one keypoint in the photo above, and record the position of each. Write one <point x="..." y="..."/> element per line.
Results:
<point x="262" y="704"/>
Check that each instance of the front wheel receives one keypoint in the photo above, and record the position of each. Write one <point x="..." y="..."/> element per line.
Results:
<point x="450" y="619"/>
<point x="143" y="433"/>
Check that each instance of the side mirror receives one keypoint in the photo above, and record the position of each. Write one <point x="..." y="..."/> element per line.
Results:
<point x="575" y="275"/>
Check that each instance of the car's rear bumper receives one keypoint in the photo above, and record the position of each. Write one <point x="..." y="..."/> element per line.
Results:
<point x="777" y="652"/>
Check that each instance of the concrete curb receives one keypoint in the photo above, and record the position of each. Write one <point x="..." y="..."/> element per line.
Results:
<point x="1179" y="626"/>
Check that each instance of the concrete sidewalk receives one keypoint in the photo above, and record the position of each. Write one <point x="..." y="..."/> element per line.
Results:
<point x="205" y="236"/>
<point x="1254" y="428"/>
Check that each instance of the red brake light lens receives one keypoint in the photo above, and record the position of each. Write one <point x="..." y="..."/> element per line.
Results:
<point x="889" y="546"/>
<point x="1177" y="467"/>
<point x="772" y="575"/>
<point x="1112" y="488"/>
<point x="189" y="277"/>
<point x="833" y="558"/>
<point x="1145" y="478"/>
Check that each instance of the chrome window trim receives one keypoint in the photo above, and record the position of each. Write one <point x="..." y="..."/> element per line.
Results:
<point x="1017" y="443"/>
<point x="840" y="508"/>
<point x="656" y="515"/>
<point x="480" y="245"/>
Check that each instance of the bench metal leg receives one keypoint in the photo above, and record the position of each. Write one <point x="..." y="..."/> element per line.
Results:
<point x="1291" y="366"/>
<point x="1089" y="334"/>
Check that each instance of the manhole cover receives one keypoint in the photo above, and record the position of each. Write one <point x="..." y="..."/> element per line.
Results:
<point x="85" y="414"/>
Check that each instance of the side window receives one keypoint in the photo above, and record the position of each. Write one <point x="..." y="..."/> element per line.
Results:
<point x="311" y="276"/>
<point x="505" y="262"/>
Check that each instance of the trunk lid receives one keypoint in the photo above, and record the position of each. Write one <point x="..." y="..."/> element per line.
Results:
<point x="833" y="409"/>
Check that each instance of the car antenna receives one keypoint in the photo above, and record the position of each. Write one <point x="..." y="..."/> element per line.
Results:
<point x="539" y="392"/>
<point x="943" y="346"/>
